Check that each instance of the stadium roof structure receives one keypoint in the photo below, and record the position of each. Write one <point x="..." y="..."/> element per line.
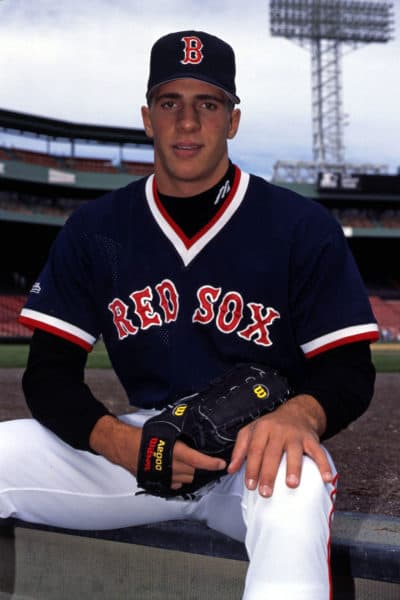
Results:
<point x="56" y="129"/>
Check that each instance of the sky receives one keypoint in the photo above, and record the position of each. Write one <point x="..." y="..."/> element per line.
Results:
<point x="87" y="62"/>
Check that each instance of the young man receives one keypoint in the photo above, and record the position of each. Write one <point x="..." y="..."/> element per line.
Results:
<point x="185" y="274"/>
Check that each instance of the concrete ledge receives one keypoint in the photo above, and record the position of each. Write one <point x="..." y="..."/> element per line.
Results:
<point x="366" y="546"/>
<point x="180" y="559"/>
<point x="363" y="545"/>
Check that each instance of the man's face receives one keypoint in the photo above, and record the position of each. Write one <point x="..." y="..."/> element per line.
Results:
<point x="190" y="122"/>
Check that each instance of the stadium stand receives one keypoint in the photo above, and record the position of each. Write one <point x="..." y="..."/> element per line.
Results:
<point x="387" y="313"/>
<point x="355" y="218"/>
<point x="10" y="307"/>
<point x="76" y="163"/>
<point x="30" y="204"/>
<point x="4" y="155"/>
<point x="137" y="168"/>
<point x="89" y="164"/>
<point x="390" y="218"/>
<point x="36" y="158"/>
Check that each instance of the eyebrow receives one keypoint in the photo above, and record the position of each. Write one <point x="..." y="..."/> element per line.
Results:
<point x="177" y="96"/>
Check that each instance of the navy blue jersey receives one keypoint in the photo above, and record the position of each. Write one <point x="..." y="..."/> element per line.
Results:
<point x="269" y="279"/>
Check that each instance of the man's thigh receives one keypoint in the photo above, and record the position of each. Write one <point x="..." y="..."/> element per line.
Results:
<point x="44" y="480"/>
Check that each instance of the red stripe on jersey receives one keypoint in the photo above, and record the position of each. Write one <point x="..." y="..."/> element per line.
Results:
<point x="33" y="324"/>
<point x="188" y="242"/>
<point x="371" y="336"/>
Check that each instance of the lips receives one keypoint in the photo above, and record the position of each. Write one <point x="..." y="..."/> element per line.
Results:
<point x="184" y="146"/>
<point x="186" y="149"/>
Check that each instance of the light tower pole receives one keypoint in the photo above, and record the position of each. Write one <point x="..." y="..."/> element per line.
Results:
<point x="325" y="26"/>
<point x="327" y="103"/>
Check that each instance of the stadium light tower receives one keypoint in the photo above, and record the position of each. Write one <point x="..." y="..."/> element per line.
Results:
<point x="324" y="26"/>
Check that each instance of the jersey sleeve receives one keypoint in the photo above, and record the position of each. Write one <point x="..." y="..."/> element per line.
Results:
<point x="61" y="300"/>
<point x="329" y="302"/>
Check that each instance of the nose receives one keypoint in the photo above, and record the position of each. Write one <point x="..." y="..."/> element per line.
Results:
<point x="188" y="118"/>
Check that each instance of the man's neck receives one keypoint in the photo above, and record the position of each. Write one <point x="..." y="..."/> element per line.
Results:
<point x="188" y="188"/>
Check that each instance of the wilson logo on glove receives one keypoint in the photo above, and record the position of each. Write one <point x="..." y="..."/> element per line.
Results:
<point x="179" y="411"/>
<point x="261" y="391"/>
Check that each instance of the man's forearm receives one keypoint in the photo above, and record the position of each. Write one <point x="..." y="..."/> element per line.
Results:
<point x="116" y="441"/>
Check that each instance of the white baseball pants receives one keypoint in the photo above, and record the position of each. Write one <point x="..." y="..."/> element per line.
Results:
<point x="43" y="480"/>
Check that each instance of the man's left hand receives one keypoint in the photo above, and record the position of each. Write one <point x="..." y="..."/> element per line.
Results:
<point x="294" y="428"/>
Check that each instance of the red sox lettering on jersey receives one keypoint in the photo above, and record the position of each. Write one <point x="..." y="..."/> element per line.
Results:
<point x="192" y="51"/>
<point x="226" y="311"/>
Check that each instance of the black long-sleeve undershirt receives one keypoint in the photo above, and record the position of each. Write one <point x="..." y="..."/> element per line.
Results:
<point x="55" y="390"/>
<point x="342" y="380"/>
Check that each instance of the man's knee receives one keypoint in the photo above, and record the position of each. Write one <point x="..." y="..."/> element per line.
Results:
<point x="291" y="509"/>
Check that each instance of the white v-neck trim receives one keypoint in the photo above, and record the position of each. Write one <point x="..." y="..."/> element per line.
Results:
<point x="187" y="254"/>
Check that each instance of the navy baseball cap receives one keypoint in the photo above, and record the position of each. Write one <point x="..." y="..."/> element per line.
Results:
<point x="196" y="55"/>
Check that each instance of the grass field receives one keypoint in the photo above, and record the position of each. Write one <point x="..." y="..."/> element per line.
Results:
<point x="386" y="357"/>
<point x="15" y="355"/>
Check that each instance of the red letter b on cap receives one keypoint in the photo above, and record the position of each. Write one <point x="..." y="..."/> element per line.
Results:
<point x="192" y="50"/>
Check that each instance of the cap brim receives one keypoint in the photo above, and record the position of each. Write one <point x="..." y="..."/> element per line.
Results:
<point x="232" y="97"/>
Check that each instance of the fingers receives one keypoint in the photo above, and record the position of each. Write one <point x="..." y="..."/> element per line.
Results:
<point x="240" y="449"/>
<point x="318" y="454"/>
<point x="196" y="459"/>
<point x="181" y="473"/>
<point x="186" y="460"/>
<point x="264" y="457"/>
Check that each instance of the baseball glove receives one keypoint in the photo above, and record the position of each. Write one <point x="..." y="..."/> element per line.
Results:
<point x="208" y="421"/>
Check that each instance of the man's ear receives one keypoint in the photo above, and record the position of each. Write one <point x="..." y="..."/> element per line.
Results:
<point x="234" y="123"/>
<point x="147" y="121"/>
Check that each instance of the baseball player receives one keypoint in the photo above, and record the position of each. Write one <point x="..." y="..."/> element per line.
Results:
<point x="184" y="274"/>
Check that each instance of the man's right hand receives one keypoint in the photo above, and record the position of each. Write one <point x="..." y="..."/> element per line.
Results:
<point x="120" y="443"/>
